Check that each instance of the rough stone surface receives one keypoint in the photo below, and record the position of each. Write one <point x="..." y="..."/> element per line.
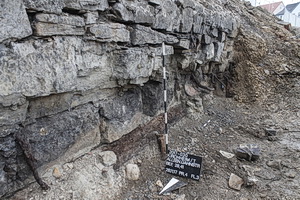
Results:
<point x="100" y="5"/>
<point x="112" y="32"/>
<point x="61" y="131"/>
<point x="121" y="116"/>
<point x="55" y="6"/>
<point x="14" y="22"/>
<point x="52" y="24"/>
<point x="145" y="35"/>
<point x="132" y="172"/>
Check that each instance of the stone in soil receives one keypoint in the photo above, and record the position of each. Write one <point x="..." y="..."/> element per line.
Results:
<point x="250" y="152"/>
<point x="235" y="182"/>
<point x="132" y="172"/>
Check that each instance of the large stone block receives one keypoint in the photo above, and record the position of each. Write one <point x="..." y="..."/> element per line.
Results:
<point x="54" y="135"/>
<point x="93" y="64"/>
<point x="111" y="32"/>
<point x="49" y="105"/>
<point x="134" y="65"/>
<point x="121" y="115"/>
<point x="145" y="35"/>
<point x="198" y="20"/>
<point x="167" y="16"/>
<point x="123" y="13"/>
<point x="187" y="20"/>
<point x="52" y="24"/>
<point x="138" y="12"/>
<point x="151" y="98"/>
<point x="14" y="22"/>
<point x="38" y="68"/>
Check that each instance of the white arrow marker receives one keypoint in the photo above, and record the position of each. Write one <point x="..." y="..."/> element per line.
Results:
<point x="172" y="185"/>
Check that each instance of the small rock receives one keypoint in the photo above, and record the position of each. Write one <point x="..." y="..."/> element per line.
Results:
<point x="235" y="182"/>
<point x="190" y="90"/>
<point x="226" y="154"/>
<point x="159" y="184"/>
<point x="250" y="152"/>
<point x="181" y="197"/>
<point x="276" y="164"/>
<point x="132" y="172"/>
<point x="290" y="174"/>
<point x="252" y="180"/>
<point x="270" y="132"/>
<point x="108" y="158"/>
<point x="56" y="173"/>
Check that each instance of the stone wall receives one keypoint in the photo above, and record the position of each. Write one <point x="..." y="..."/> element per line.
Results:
<point x="75" y="74"/>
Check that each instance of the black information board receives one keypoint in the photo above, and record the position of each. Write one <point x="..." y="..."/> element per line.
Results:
<point x="184" y="164"/>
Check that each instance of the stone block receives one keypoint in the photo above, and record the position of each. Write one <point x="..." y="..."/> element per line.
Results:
<point x="121" y="115"/>
<point x="55" y="6"/>
<point x="183" y="44"/>
<point x="100" y="5"/>
<point x="219" y="47"/>
<point x="91" y="17"/>
<point x="198" y="20"/>
<point x="111" y="32"/>
<point x="52" y="24"/>
<point x="206" y="39"/>
<point x="209" y="51"/>
<point x="49" y="105"/>
<point x="55" y="135"/>
<point x="187" y="20"/>
<point x="145" y="35"/>
<point x="123" y="13"/>
<point x="144" y="14"/>
<point x="151" y="98"/>
<point x="134" y="65"/>
<point x="167" y="16"/>
<point x="13" y="114"/>
<point x="14" y="22"/>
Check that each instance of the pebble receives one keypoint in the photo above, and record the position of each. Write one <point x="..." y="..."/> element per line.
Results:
<point x="159" y="184"/>
<point x="132" y="172"/>
<point x="108" y="158"/>
<point x="276" y="164"/>
<point x="226" y="154"/>
<point x="56" y="173"/>
<point x="235" y="182"/>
